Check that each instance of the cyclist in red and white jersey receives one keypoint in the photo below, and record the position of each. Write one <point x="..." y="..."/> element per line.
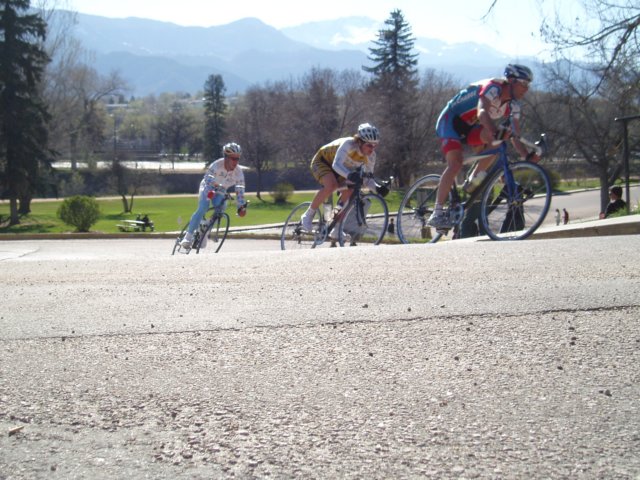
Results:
<point x="470" y="117"/>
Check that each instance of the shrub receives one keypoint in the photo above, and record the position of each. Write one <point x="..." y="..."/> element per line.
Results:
<point x="281" y="192"/>
<point x="79" y="211"/>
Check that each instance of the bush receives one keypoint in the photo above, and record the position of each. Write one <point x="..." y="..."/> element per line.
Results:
<point x="79" y="211"/>
<point x="281" y="192"/>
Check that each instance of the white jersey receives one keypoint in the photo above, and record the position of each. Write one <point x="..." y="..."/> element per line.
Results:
<point x="221" y="176"/>
<point x="348" y="156"/>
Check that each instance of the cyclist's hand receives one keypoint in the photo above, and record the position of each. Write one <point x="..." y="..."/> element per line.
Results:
<point x="383" y="189"/>
<point x="242" y="211"/>
<point x="503" y="132"/>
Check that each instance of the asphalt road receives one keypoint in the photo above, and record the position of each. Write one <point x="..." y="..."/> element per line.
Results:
<point x="455" y="360"/>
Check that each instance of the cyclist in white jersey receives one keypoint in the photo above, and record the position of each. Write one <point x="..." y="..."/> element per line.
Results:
<point x="222" y="173"/>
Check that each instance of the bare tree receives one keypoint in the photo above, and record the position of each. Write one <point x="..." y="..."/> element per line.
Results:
<point x="256" y="119"/>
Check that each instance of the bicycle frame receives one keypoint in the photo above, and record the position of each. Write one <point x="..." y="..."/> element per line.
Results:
<point x="335" y="221"/>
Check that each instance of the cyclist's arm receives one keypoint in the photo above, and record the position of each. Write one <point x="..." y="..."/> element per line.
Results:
<point x="369" y="181"/>
<point x="239" y="187"/>
<point x="339" y="161"/>
<point x="517" y="144"/>
<point x="484" y="117"/>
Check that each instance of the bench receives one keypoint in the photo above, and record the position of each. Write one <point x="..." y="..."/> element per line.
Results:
<point x="135" y="226"/>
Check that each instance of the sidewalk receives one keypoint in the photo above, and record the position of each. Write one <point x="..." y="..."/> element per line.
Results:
<point x="627" y="225"/>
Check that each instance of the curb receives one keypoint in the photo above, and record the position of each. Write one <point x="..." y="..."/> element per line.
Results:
<point x="627" y="225"/>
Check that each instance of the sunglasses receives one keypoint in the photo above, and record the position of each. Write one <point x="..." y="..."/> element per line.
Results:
<point x="372" y="146"/>
<point x="234" y="158"/>
<point x="524" y="83"/>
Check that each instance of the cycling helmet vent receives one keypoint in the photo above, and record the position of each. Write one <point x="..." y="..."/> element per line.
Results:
<point x="519" y="72"/>
<point x="231" y="149"/>
<point x="368" y="133"/>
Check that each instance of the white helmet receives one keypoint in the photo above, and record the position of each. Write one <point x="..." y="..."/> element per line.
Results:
<point x="231" y="149"/>
<point x="368" y="133"/>
<point x="519" y="72"/>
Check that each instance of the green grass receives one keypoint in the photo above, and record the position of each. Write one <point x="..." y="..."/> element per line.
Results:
<point x="168" y="213"/>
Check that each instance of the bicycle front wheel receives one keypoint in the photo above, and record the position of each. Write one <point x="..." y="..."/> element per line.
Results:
<point x="415" y="209"/>
<point x="216" y="232"/>
<point x="515" y="215"/>
<point x="176" y="245"/>
<point x="294" y="236"/>
<point x="365" y="223"/>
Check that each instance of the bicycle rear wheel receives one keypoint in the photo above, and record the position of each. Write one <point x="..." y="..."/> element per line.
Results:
<point x="415" y="209"/>
<point x="507" y="215"/>
<point x="368" y="227"/>
<point x="295" y="237"/>
<point x="216" y="232"/>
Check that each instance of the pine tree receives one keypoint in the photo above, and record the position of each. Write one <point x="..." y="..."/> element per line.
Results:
<point x="395" y="87"/>
<point x="214" y="111"/>
<point x="23" y="115"/>
<point x="395" y="64"/>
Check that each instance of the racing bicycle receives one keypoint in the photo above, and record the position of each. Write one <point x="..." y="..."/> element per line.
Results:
<point x="213" y="227"/>
<point x="509" y="204"/>
<point x="363" y="220"/>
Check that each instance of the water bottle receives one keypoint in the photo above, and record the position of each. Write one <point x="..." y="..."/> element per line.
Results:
<point x="203" y="225"/>
<point x="471" y="185"/>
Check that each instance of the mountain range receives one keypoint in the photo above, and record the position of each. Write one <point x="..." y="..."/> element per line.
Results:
<point x="155" y="57"/>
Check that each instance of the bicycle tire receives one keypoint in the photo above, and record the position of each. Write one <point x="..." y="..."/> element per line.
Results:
<point x="176" y="246"/>
<point x="374" y="223"/>
<point x="217" y="231"/>
<point x="294" y="237"/>
<point x="415" y="209"/>
<point x="519" y="215"/>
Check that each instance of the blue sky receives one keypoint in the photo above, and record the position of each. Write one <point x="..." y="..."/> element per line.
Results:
<point x="512" y="27"/>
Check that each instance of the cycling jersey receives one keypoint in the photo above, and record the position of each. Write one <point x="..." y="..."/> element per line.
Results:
<point x="216" y="173"/>
<point x="344" y="156"/>
<point x="461" y="113"/>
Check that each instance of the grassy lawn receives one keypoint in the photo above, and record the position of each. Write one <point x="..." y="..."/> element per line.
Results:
<point x="168" y="213"/>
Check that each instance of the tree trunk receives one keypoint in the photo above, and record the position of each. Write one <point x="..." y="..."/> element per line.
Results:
<point x="25" y="205"/>
<point x="125" y="204"/>
<point x="13" y="209"/>
<point x="258" y="184"/>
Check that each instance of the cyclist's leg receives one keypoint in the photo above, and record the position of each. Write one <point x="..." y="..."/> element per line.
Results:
<point x="453" y="157"/>
<point x="325" y="175"/>
<point x="203" y="205"/>
<point x="295" y="237"/>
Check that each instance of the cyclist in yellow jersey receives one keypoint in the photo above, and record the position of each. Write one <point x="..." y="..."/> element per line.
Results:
<point x="335" y="162"/>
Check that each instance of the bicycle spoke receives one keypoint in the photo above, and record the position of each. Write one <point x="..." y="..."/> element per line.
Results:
<point x="515" y="215"/>
<point x="295" y="237"/>
<point x="415" y="209"/>
<point x="369" y="225"/>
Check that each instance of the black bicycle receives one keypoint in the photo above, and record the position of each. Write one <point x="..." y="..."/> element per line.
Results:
<point x="509" y="204"/>
<point x="214" y="228"/>
<point x="363" y="219"/>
